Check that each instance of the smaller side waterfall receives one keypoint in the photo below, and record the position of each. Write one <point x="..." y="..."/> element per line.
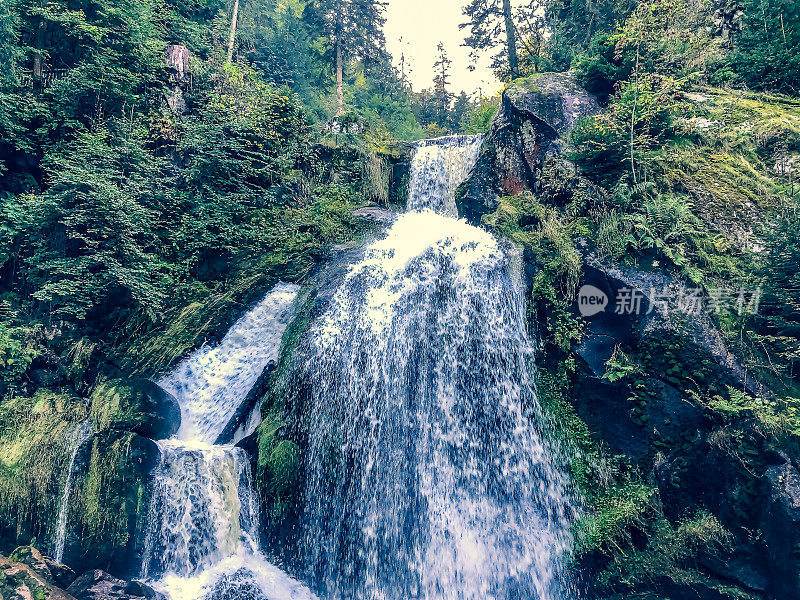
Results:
<point x="438" y="168"/>
<point x="212" y="382"/>
<point x="79" y="436"/>
<point x="202" y="541"/>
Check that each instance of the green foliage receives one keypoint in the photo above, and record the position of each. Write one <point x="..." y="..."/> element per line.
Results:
<point x="580" y="21"/>
<point x="777" y="418"/>
<point x="600" y="68"/>
<point x="548" y="235"/>
<point x="638" y="121"/>
<point x="620" y="366"/>
<point x="766" y="55"/>
<point x="15" y="355"/>
<point x="599" y="150"/>
<point x="664" y="224"/>
<point x="480" y="115"/>
<point x="671" y="553"/>
<point x="91" y="234"/>
<point x="778" y="322"/>
<point x="279" y="468"/>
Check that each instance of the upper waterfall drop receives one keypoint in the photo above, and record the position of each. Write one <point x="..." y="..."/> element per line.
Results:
<point x="438" y="167"/>
<point x="427" y="474"/>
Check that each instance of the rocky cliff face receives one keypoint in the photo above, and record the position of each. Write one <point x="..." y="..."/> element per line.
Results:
<point x="672" y="429"/>
<point x="533" y="121"/>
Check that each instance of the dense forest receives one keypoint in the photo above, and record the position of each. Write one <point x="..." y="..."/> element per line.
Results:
<point x="164" y="163"/>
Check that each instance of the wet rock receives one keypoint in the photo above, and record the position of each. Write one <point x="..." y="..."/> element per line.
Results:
<point x="245" y="409"/>
<point x="48" y="569"/>
<point x="99" y="585"/>
<point x="535" y="117"/>
<point x="30" y="556"/>
<point x="781" y="524"/>
<point x="240" y="585"/>
<point x="137" y="405"/>
<point x="654" y="320"/>
<point x="139" y="589"/>
<point x="376" y="215"/>
<point x="18" y="581"/>
<point x="744" y="566"/>
<point x="45" y="378"/>
<point x="108" y="516"/>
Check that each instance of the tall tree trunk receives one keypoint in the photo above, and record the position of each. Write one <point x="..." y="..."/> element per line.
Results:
<point x="513" y="63"/>
<point x="339" y="78"/>
<point x="38" y="46"/>
<point x="232" y="37"/>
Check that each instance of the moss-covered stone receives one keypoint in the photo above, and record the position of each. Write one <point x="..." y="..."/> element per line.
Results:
<point x="137" y="405"/>
<point x="535" y="114"/>
<point x="108" y="510"/>
<point x="35" y="434"/>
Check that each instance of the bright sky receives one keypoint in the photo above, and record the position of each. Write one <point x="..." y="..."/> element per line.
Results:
<point x="422" y="24"/>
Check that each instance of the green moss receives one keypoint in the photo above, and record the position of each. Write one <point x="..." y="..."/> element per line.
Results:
<point x="547" y="234"/>
<point x="34" y="435"/>
<point x="278" y="466"/>
<point x="112" y="404"/>
<point x="107" y="512"/>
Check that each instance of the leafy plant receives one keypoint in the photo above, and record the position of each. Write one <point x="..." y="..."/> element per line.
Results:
<point x="620" y="366"/>
<point x="15" y="355"/>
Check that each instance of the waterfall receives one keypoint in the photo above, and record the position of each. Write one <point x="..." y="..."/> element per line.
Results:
<point x="212" y="382"/>
<point x="438" y="168"/>
<point x="427" y="474"/>
<point x="79" y="436"/>
<point x="202" y="540"/>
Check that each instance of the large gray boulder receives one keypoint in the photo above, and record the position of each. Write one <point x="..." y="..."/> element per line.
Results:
<point x="535" y="117"/>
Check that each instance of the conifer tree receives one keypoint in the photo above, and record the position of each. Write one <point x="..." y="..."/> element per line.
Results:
<point x="488" y="21"/>
<point x="353" y="29"/>
<point x="441" y="81"/>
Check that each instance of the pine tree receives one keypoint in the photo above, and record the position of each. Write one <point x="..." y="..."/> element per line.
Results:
<point x="488" y="20"/>
<point x="353" y="29"/>
<point x="441" y="81"/>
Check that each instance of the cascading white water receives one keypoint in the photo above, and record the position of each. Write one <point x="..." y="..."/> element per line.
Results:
<point x="80" y="435"/>
<point x="203" y="536"/>
<point x="212" y="382"/>
<point x="438" y="168"/>
<point x="426" y="474"/>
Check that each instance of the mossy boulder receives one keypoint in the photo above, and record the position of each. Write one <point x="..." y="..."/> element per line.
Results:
<point x="36" y="436"/>
<point x="108" y="510"/>
<point x="137" y="405"/>
<point x="51" y="571"/>
<point x="534" y="117"/>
